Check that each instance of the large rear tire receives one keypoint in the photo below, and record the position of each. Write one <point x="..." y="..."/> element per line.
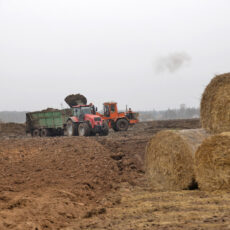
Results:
<point x="105" y="129"/>
<point x="115" y="128"/>
<point x="122" y="125"/>
<point x="70" y="128"/>
<point x="83" y="130"/>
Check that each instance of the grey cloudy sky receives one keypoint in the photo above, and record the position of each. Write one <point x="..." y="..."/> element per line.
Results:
<point x="111" y="50"/>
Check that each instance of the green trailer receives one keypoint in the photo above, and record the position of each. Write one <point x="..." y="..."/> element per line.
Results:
<point x="47" y="123"/>
<point x="80" y="120"/>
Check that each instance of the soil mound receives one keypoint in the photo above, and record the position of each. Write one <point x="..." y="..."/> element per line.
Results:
<point x="75" y="99"/>
<point x="49" y="110"/>
<point x="12" y="129"/>
<point x="55" y="179"/>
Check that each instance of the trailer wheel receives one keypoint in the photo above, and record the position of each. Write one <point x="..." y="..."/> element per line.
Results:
<point x="36" y="133"/>
<point x="45" y="133"/>
<point x="83" y="129"/>
<point x="122" y="125"/>
<point x="70" y="128"/>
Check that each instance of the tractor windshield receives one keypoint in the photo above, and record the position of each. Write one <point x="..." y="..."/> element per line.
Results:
<point x="83" y="111"/>
<point x="86" y="110"/>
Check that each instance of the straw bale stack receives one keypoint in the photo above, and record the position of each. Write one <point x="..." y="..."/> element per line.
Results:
<point x="212" y="163"/>
<point x="169" y="158"/>
<point x="215" y="105"/>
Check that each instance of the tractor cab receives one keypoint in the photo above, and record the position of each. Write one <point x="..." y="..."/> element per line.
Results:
<point x="110" y="109"/>
<point x="81" y="110"/>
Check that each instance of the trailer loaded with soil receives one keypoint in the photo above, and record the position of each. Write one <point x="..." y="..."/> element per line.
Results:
<point x="79" y="120"/>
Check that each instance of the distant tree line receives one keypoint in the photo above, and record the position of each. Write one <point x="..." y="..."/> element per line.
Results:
<point x="13" y="116"/>
<point x="182" y="113"/>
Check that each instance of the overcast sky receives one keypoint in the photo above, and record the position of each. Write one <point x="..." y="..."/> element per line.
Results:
<point x="144" y="53"/>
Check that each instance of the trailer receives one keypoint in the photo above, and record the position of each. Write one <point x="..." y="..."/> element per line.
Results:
<point x="47" y="123"/>
<point x="79" y="120"/>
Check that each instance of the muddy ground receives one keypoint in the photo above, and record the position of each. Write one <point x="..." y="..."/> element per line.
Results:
<point x="96" y="183"/>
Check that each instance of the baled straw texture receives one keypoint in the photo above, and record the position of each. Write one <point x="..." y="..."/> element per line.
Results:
<point x="169" y="158"/>
<point x="212" y="163"/>
<point x="215" y="105"/>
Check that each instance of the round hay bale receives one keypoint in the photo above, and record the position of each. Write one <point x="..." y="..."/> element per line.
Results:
<point x="169" y="158"/>
<point x="212" y="163"/>
<point x="75" y="99"/>
<point x="215" y="105"/>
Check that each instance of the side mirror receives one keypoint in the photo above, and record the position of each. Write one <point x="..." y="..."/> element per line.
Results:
<point x="96" y="109"/>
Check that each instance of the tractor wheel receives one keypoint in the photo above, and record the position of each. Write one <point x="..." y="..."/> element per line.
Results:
<point x="105" y="129"/>
<point x="70" y="128"/>
<point x="45" y="133"/>
<point x="83" y="129"/>
<point x="59" y="132"/>
<point x="36" y="133"/>
<point x="122" y="125"/>
<point x="115" y="128"/>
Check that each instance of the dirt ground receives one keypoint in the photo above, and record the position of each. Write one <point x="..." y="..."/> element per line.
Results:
<point x="96" y="183"/>
<point x="9" y="130"/>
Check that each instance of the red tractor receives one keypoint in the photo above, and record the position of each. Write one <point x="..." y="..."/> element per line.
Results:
<point x="85" y="122"/>
<point x="118" y="121"/>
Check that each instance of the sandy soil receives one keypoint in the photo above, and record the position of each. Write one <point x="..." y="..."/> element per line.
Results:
<point x="97" y="183"/>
